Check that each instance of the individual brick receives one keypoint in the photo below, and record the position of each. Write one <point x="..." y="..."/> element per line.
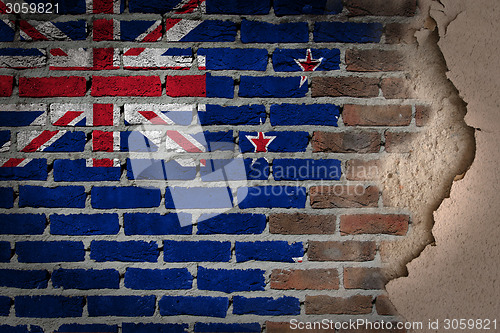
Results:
<point x="235" y="169"/>
<point x="34" y="169"/>
<point x="298" y="7"/>
<point x="77" y="171"/>
<point x="198" y="197"/>
<point x="24" y="279"/>
<point x="301" y="224"/>
<point x="48" y="306"/>
<point x="317" y="279"/>
<point x="240" y="7"/>
<point x="154" y="328"/>
<point x="374" y="60"/>
<point x="21" y="328"/>
<point x="377" y="115"/>
<point x="276" y="142"/>
<point x="129" y="251"/>
<point x="399" y="33"/>
<point x="84" y="224"/>
<point x="152" y="279"/>
<point x="185" y="30"/>
<point x="384" y="306"/>
<point x="157" y="224"/>
<point x="272" y="86"/>
<point x="347" y="32"/>
<point x="6" y="85"/>
<point x="422" y="115"/>
<point x="354" y="305"/>
<point x="141" y="30"/>
<point x="195" y="306"/>
<point x="346" y="142"/>
<point x="363" y="278"/>
<point x="271" y="197"/>
<point x="230" y="280"/>
<point x="7" y="29"/>
<point x="121" y="306"/>
<point x="16" y="115"/>
<point x="344" y="196"/>
<point x="231" y="224"/>
<point x="21" y="58"/>
<point x="232" y="115"/>
<point x="5" y="251"/>
<point x="62" y="86"/>
<point x="5" y="304"/>
<point x="90" y="328"/>
<point x="266" y="306"/>
<point x="57" y="197"/>
<point x="184" y="251"/>
<point x="60" y="141"/>
<point x="163" y="7"/>
<point x="149" y="169"/>
<point x="136" y="141"/>
<point x="43" y="251"/>
<point x="391" y="224"/>
<point x="103" y="30"/>
<point x="145" y="86"/>
<point x="221" y="327"/>
<point x="306" y="60"/>
<point x="22" y="224"/>
<point x="205" y="85"/>
<point x="263" y="32"/>
<point x="396" y="88"/>
<point x="345" y="86"/>
<point x="400" y="142"/>
<point x="86" y="279"/>
<point x="363" y="169"/>
<point x="232" y="59"/>
<point x="124" y="197"/>
<point x="306" y="169"/>
<point x="381" y="7"/>
<point x="52" y="30"/>
<point x="268" y="251"/>
<point x="302" y="114"/>
<point x="341" y="251"/>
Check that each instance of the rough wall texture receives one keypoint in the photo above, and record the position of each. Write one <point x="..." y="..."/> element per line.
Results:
<point x="320" y="122"/>
<point x="463" y="263"/>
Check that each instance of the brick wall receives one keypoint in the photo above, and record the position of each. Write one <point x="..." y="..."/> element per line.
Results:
<point x="308" y="97"/>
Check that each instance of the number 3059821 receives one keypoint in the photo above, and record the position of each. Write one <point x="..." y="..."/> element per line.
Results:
<point x="31" y="8"/>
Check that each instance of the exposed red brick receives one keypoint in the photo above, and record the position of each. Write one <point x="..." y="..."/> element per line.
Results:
<point x="323" y="304"/>
<point x="391" y="224"/>
<point x="284" y="327"/>
<point x="396" y="88"/>
<point x="126" y="86"/>
<point x="301" y="224"/>
<point x="345" y="86"/>
<point x="363" y="278"/>
<point x="347" y="142"/>
<point x="376" y="115"/>
<point x="363" y="170"/>
<point x="374" y="60"/>
<point x="318" y="279"/>
<point x="341" y="251"/>
<point x="398" y="33"/>
<point x="400" y="142"/>
<point x="344" y="196"/>
<point x="422" y="115"/>
<point x="381" y="7"/>
<point x="62" y="86"/>
<point x="6" y="85"/>
<point x="384" y="306"/>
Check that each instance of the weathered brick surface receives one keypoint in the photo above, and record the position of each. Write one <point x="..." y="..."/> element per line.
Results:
<point x="305" y="279"/>
<point x="363" y="278"/>
<point x="396" y="88"/>
<point x="341" y="251"/>
<point x="374" y="224"/>
<point x="374" y="60"/>
<point x="346" y="142"/>
<point x="345" y="86"/>
<point x="381" y="7"/>
<point x="363" y="169"/>
<point x="400" y="142"/>
<point x="377" y="115"/>
<point x="354" y="305"/>
<point x="344" y="196"/>
<point x="396" y="33"/>
<point x="301" y="224"/>
<point x="384" y="306"/>
<point x="422" y="115"/>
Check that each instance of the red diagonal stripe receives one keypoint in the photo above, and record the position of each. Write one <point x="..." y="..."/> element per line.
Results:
<point x="153" y="118"/>
<point x="31" y="31"/>
<point x="154" y="35"/>
<point x="189" y="7"/>
<point x="39" y="141"/>
<point x="169" y="23"/>
<point x="183" y="142"/>
<point x="3" y="8"/>
<point x="134" y="51"/>
<point x="58" y="52"/>
<point x="12" y="162"/>
<point x="67" y="118"/>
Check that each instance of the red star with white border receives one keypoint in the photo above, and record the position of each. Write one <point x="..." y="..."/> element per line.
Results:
<point x="260" y="142"/>
<point x="308" y="64"/>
